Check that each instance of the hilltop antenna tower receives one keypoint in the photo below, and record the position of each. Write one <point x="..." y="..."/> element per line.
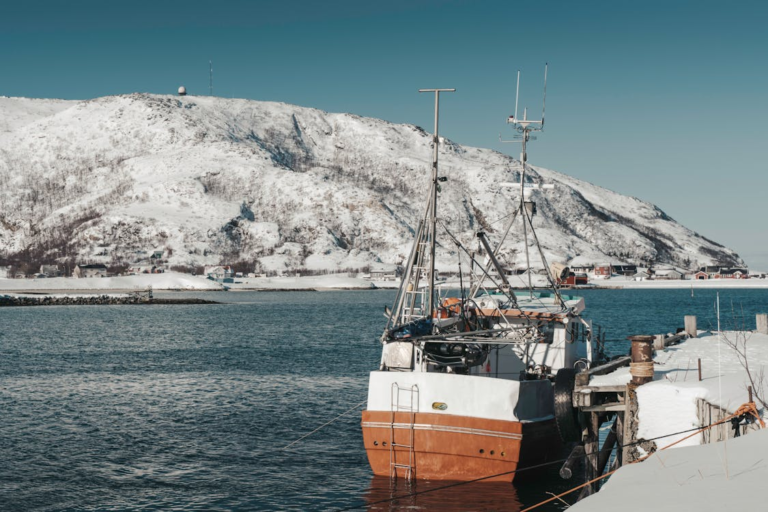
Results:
<point x="210" y="77"/>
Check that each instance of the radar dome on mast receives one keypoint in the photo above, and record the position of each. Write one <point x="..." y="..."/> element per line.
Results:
<point x="182" y="91"/>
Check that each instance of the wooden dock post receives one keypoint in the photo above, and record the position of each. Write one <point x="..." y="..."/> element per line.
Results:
<point x="608" y="444"/>
<point x="658" y="343"/>
<point x="690" y="325"/>
<point x="762" y="323"/>
<point x="626" y="423"/>
<point x="592" y="454"/>
<point x="699" y="369"/>
<point x="566" y="472"/>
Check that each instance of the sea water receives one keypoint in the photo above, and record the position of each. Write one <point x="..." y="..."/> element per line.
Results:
<point x="190" y="407"/>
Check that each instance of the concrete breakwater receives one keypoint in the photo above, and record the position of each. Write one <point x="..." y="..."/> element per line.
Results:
<point x="94" y="300"/>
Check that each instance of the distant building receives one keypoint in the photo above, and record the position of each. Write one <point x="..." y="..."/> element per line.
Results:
<point x="624" y="270"/>
<point x="642" y="275"/>
<point x="602" y="271"/>
<point x="144" y="269"/>
<point x="733" y="273"/>
<point x="712" y="271"/>
<point x="382" y="272"/>
<point x="668" y="273"/>
<point x="700" y="275"/>
<point x="574" y="279"/>
<point x="583" y="269"/>
<point x="50" y="270"/>
<point x="5" y="272"/>
<point x="96" y="270"/>
<point x="218" y="271"/>
<point x="721" y="272"/>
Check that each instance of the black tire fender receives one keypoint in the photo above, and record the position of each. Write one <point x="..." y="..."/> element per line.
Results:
<point x="566" y="415"/>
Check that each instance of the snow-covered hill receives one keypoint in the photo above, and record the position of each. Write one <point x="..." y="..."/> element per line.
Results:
<point x="213" y="180"/>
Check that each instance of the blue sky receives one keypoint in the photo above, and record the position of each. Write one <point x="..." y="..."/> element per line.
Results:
<point x="662" y="100"/>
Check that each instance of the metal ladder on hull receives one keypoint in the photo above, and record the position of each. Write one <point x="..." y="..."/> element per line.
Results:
<point x="401" y="395"/>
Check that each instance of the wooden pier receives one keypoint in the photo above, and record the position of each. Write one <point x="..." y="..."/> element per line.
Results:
<point x="616" y="405"/>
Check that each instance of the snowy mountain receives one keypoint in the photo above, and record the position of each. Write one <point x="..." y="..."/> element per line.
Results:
<point x="212" y="180"/>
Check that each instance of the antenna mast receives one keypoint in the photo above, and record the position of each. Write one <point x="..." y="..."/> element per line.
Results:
<point x="210" y="77"/>
<point x="527" y="208"/>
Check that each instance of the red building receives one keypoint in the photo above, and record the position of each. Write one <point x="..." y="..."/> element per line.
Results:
<point x="603" y="271"/>
<point x="573" y="279"/>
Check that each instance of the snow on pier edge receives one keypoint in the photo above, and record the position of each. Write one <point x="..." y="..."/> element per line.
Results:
<point x="690" y="476"/>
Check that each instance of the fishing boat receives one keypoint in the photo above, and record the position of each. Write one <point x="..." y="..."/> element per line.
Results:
<point x="475" y="384"/>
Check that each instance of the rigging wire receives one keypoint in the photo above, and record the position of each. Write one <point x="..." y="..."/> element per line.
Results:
<point x="512" y="299"/>
<point x="461" y="287"/>
<point x="544" y="261"/>
<point x="484" y="271"/>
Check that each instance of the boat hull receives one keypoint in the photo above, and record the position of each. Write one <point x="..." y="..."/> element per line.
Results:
<point x="451" y="447"/>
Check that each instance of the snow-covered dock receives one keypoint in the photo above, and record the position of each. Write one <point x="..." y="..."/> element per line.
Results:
<point x="703" y="397"/>
<point x="716" y="476"/>
<point x="672" y="401"/>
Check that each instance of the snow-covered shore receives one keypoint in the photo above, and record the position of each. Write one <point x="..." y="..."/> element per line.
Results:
<point x="326" y="282"/>
<point x="172" y="281"/>
<point x="165" y="281"/>
<point x="628" y="282"/>
<point x="621" y="282"/>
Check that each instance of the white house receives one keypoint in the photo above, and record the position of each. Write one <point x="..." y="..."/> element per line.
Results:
<point x="96" y="270"/>
<point x="383" y="272"/>
<point x="642" y="274"/>
<point x="668" y="273"/>
<point x="582" y="269"/>
<point x="218" y="271"/>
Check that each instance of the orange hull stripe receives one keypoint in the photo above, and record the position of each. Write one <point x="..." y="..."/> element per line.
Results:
<point x="445" y="447"/>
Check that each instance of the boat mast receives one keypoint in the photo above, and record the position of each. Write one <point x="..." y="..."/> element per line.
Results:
<point x="433" y="212"/>
<point x="411" y="304"/>
<point x="523" y="158"/>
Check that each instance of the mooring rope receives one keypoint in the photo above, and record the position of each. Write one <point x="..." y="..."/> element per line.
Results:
<point x="325" y="425"/>
<point x="744" y="409"/>
<point x="644" y="369"/>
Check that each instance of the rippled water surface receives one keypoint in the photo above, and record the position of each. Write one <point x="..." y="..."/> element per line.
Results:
<point x="187" y="407"/>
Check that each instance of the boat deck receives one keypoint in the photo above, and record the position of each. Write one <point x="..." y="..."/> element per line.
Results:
<point x="536" y="305"/>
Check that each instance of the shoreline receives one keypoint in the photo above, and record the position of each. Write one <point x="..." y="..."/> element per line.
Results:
<point x="105" y="291"/>
<point x="8" y="301"/>
<point x="179" y="283"/>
